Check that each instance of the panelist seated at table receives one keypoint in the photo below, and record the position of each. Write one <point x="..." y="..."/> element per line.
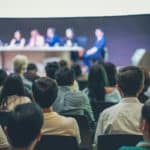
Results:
<point x="36" y="39"/>
<point x="18" y="40"/>
<point x="97" y="52"/>
<point x="70" y="41"/>
<point x="51" y="38"/>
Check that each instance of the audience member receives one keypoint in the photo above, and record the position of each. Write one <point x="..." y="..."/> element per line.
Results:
<point x="45" y="92"/>
<point x="143" y="96"/>
<point x="98" y="86"/>
<point x="123" y="118"/>
<point x="17" y="40"/>
<point x="3" y="76"/>
<point x="51" y="38"/>
<point x="31" y="73"/>
<point x="4" y="145"/>
<point x="36" y="40"/>
<point x="51" y="68"/>
<point x="63" y="63"/>
<point x="13" y="93"/>
<point x="69" y="100"/>
<point x="24" y="127"/>
<point x="145" y="129"/>
<point x="20" y="63"/>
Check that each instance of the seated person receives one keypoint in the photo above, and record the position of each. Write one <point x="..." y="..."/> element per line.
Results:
<point x="24" y="127"/>
<point x="17" y="40"/>
<point x="143" y="97"/>
<point x="31" y="73"/>
<point x="36" y="39"/>
<point x="51" y="38"/>
<point x="4" y="145"/>
<point x="45" y="92"/>
<point x="71" y="101"/>
<point x="123" y="118"/>
<point x="51" y="68"/>
<point x="70" y="41"/>
<point x="13" y="93"/>
<point x="97" y="52"/>
<point x="145" y="129"/>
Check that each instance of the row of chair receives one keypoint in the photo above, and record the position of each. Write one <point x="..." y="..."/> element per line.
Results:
<point x="105" y="142"/>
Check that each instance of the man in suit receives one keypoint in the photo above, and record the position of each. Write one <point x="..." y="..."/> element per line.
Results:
<point x="97" y="52"/>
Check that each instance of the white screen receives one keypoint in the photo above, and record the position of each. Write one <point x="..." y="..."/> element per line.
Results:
<point x="72" y="8"/>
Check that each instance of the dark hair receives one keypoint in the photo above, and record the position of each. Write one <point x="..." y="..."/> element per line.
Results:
<point x="51" y="69"/>
<point x="77" y="70"/>
<point x="142" y="97"/>
<point x="3" y="76"/>
<point x="97" y="81"/>
<point x="65" y="77"/>
<point x="63" y="63"/>
<point x="13" y="85"/>
<point x="111" y="73"/>
<point x="31" y="66"/>
<point x="24" y="125"/>
<point x="146" y="111"/>
<point x="130" y="80"/>
<point x="45" y="91"/>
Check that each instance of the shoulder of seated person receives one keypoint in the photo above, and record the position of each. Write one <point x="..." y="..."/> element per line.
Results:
<point x="109" y="89"/>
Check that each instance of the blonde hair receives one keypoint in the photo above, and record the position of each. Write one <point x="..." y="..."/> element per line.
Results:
<point x="20" y="63"/>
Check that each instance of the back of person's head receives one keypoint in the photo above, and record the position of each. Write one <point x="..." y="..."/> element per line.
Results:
<point x="24" y="126"/>
<point x="130" y="81"/>
<point x="63" y="63"/>
<point x="51" y="68"/>
<point x="13" y="85"/>
<point x="3" y="76"/>
<point x="31" y="67"/>
<point x="20" y="63"/>
<point x="111" y="73"/>
<point x="97" y="81"/>
<point x="77" y="70"/>
<point x="45" y="91"/>
<point x="65" y="77"/>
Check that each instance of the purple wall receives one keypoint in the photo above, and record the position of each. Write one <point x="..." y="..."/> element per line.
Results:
<point x="124" y="33"/>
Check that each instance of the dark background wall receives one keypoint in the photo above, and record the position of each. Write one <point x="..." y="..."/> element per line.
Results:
<point x="124" y="34"/>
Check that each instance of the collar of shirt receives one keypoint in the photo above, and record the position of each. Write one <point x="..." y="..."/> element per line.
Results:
<point x="130" y="100"/>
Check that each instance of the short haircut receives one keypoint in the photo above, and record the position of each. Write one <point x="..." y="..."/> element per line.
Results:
<point x="51" y="68"/>
<point x="45" y="91"/>
<point x="65" y="77"/>
<point x="77" y="70"/>
<point x="111" y="73"/>
<point x="3" y="76"/>
<point x="63" y="63"/>
<point x="20" y="63"/>
<point x="31" y="66"/>
<point x="130" y="80"/>
<point x="24" y="125"/>
<point x="146" y="111"/>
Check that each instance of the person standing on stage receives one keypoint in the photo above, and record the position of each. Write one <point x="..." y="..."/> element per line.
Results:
<point x="18" y="40"/>
<point x="36" y="40"/>
<point x="97" y="52"/>
<point x="70" y="41"/>
<point x="51" y="38"/>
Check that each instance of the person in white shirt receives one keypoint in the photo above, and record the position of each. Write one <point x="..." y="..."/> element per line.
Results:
<point x="123" y="118"/>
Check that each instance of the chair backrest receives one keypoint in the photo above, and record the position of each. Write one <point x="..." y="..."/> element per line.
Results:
<point x="98" y="107"/>
<point x="56" y="142"/>
<point x="85" y="132"/>
<point x="114" y="142"/>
